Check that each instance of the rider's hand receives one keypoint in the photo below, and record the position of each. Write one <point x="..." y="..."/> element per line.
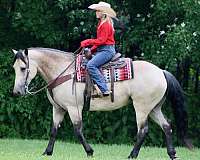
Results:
<point x="88" y="53"/>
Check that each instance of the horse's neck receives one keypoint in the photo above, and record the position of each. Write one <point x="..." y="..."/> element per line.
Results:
<point x="51" y="65"/>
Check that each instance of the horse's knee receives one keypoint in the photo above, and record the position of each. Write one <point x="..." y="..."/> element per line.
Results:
<point x="143" y="127"/>
<point x="143" y="131"/>
<point x="78" y="125"/>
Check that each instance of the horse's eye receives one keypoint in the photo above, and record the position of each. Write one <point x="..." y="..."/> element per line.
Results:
<point x="23" y="69"/>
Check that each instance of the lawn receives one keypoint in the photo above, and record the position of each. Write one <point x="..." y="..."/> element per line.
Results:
<point x="32" y="150"/>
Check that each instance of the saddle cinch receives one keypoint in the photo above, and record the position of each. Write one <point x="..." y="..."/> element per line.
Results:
<point x="118" y="69"/>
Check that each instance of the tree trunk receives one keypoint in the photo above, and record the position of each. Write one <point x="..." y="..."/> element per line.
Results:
<point x="196" y="88"/>
<point x="186" y="70"/>
<point x="178" y="71"/>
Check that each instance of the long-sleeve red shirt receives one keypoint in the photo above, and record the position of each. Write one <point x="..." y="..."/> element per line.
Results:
<point x="105" y="36"/>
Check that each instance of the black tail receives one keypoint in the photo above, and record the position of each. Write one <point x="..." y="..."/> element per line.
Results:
<point x="176" y="97"/>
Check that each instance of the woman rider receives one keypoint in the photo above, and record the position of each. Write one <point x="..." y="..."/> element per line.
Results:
<point x="103" y="47"/>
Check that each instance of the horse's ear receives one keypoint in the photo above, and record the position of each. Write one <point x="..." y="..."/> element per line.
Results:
<point x="26" y="52"/>
<point x="14" y="51"/>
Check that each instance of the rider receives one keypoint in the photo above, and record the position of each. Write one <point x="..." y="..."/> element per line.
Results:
<point x="103" y="46"/>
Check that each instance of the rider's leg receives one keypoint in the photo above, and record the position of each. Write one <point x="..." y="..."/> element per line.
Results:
<point x="102" y="56"/>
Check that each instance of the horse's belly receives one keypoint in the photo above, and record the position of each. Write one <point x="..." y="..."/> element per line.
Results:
<point x="105" y="104"/>
<point x="121" y="98"/>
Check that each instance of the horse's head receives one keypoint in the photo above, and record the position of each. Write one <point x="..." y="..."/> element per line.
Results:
<point x="25" y="71"/>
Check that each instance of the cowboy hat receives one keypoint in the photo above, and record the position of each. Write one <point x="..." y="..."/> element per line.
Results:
<point x="103" y="7"/>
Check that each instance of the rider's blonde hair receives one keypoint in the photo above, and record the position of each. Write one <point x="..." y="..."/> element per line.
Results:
<point x="105" y="17"/>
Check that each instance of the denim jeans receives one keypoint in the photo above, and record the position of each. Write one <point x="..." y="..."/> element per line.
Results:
<point x="104" y="54"/>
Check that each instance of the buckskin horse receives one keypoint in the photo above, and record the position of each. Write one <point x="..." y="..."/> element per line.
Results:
<point x="149" y="88"/>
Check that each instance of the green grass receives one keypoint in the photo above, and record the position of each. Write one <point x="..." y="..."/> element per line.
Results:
<point x="32" y="150"/>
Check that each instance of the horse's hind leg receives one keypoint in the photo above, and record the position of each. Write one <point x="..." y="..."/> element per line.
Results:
<point x="76" y="118"/>
<point x="58" y="115"/>
<point x="159" y="118"/>
<point x="142" y="131"/>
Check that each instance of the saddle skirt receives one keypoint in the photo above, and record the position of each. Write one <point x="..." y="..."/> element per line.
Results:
<point x="123" y="69"/>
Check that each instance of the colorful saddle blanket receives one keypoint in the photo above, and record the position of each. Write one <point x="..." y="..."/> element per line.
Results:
<point x="120" y="74"/>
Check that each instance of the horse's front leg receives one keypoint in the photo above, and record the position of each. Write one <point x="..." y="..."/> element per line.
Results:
<point x="58" y="115"/>
<point x="76" y="118"/>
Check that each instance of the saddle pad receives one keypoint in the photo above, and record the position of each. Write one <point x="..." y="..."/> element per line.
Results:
<point x="120" y="74"/>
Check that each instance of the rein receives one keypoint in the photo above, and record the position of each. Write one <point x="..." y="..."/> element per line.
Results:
<point x="53" y="81"/>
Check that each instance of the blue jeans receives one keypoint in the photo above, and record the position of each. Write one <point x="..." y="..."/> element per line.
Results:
<point x="104" y="54"/>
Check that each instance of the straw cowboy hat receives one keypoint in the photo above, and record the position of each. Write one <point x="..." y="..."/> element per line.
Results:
<point x="104" y="7"/>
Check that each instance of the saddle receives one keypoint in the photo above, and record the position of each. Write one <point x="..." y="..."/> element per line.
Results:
<point x="115" y="63"/>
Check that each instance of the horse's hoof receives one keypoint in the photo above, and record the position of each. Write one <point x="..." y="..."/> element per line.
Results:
<point x="48" y="153"/>
<point x="90" y="153"/>
<point x="132" y="156"/>
<point x="175" y="158"/>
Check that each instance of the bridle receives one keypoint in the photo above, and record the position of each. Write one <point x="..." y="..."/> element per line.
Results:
<point x="28" y="91"/>
<point x="27" y="75"/>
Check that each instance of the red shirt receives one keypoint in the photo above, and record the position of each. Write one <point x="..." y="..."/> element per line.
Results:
<point x="105" y="35"/>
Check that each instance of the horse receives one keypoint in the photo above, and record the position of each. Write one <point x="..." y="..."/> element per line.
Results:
<point x="149" y="89"/>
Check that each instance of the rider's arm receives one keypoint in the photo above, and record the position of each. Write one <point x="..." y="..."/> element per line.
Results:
<point x="102" y="36"/>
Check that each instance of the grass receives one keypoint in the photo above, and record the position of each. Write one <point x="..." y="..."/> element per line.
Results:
<point x="12" y="149"/>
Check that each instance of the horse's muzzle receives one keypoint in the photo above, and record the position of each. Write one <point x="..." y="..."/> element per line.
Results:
<point x="19" y="92"/>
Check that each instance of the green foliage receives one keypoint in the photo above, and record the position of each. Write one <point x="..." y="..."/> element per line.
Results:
<point x="163" y="32"/>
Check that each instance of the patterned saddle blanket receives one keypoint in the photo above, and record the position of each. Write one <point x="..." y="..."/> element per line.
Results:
<point x="123" y="69"/>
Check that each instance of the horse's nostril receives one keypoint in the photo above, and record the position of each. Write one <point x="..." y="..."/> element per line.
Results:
<point x="16" y="93"/>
